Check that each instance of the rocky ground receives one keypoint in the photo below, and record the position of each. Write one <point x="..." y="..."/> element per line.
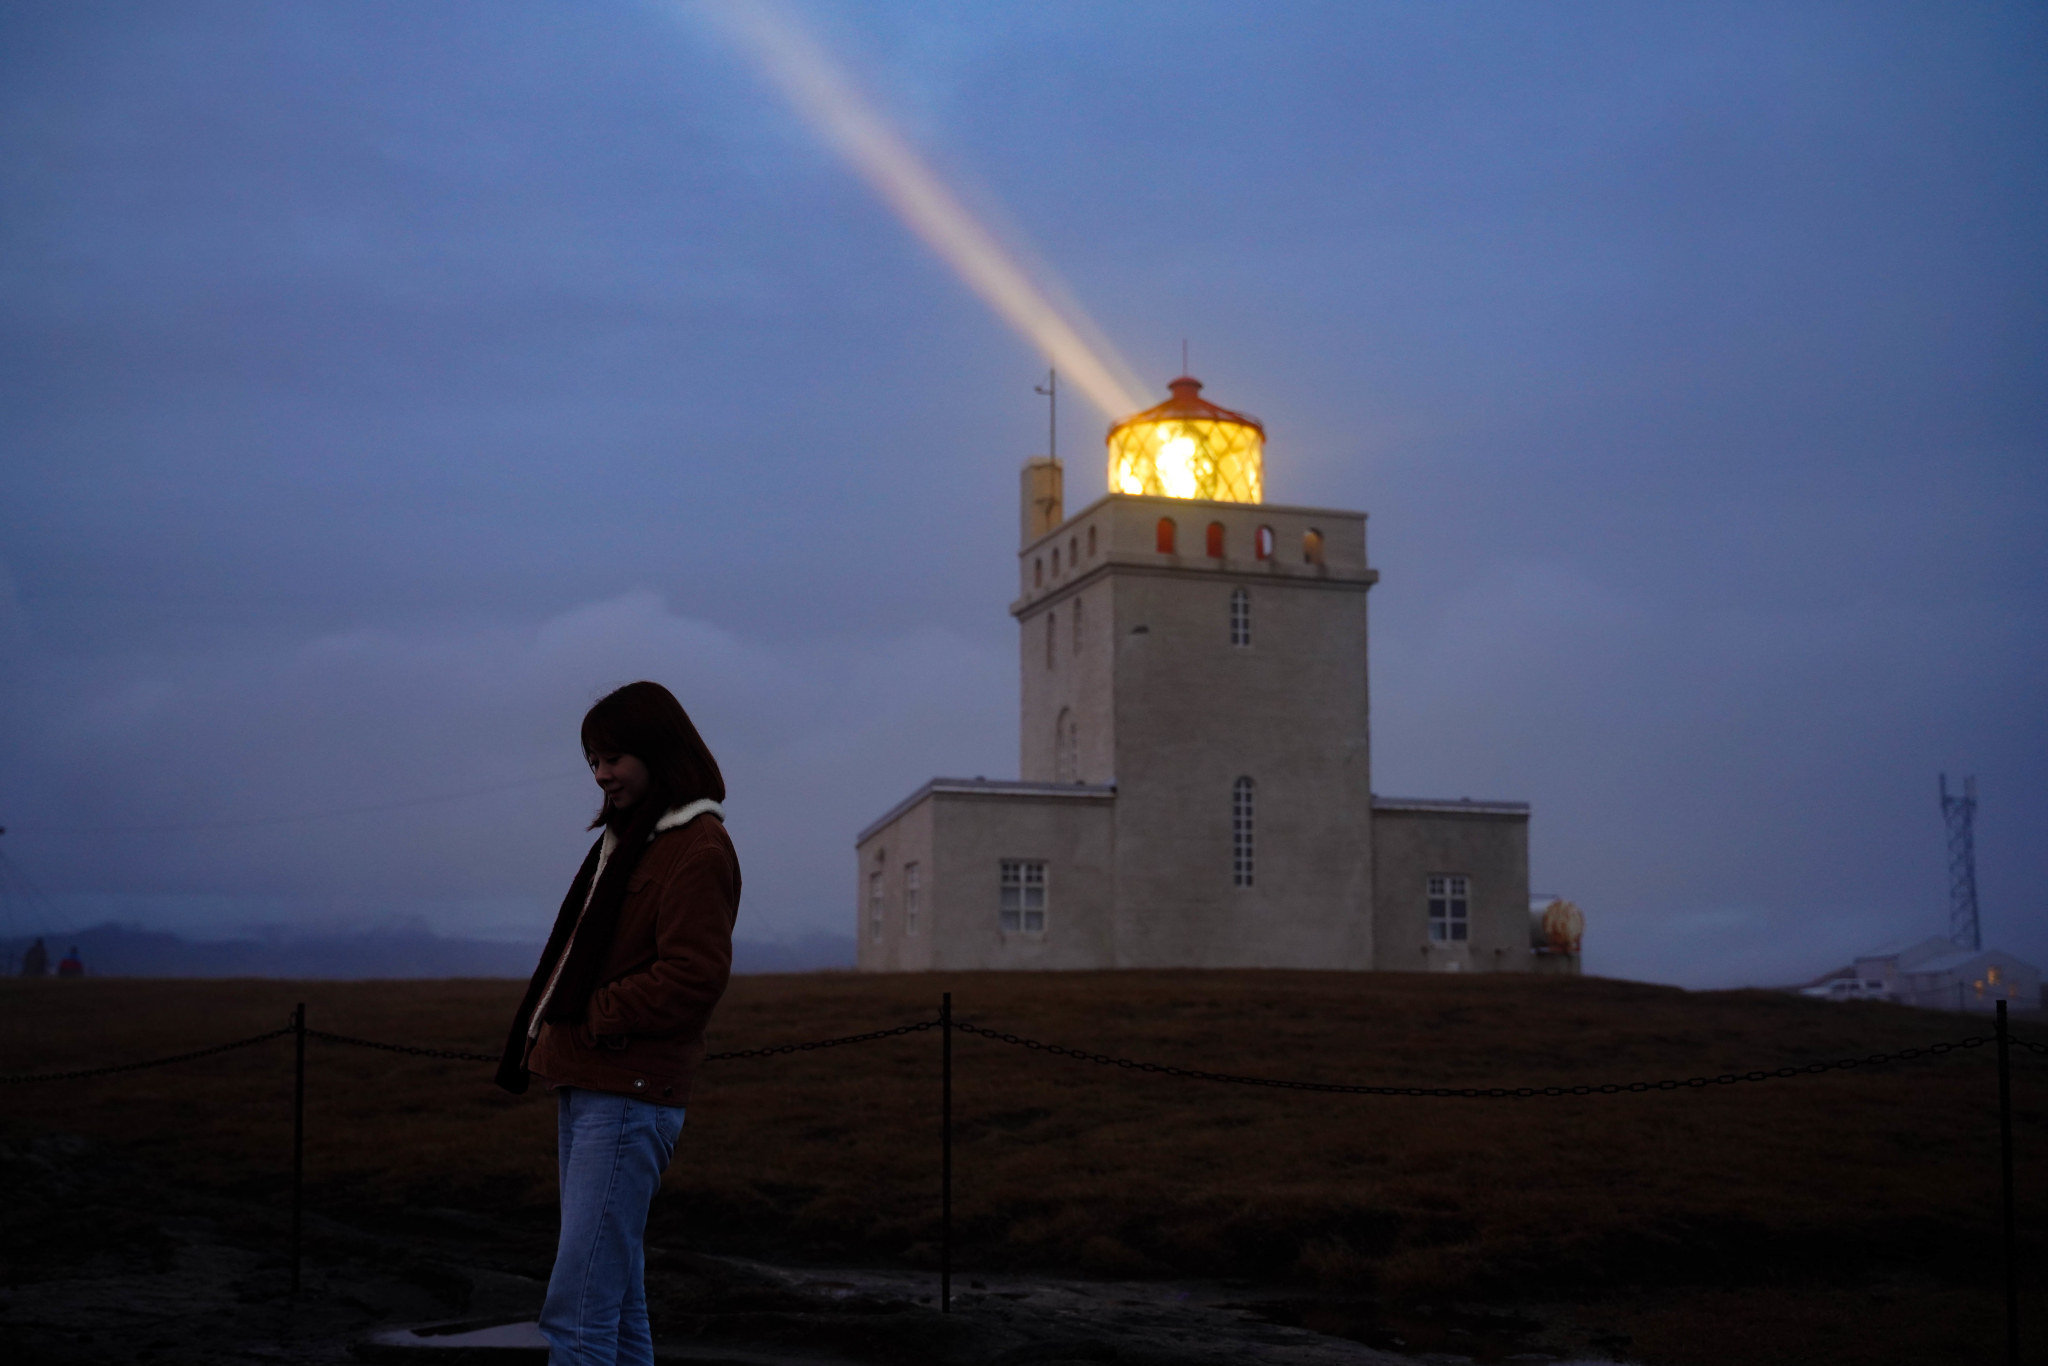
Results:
<point x="102" y="1265"/>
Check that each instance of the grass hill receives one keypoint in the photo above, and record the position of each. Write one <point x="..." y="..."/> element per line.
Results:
<point x="1850" y="1216"/>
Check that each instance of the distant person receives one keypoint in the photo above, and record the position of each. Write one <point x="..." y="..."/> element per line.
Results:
<point x="36" y="961"/>
<point x="614" y="1017"/>
<point x="72" y="965"/>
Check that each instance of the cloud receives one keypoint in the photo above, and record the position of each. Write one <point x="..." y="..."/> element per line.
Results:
<point x="815" y="737"/>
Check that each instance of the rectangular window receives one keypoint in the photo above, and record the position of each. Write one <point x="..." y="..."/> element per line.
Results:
<point x="1023" y="896"/>
<point x="1240" y="617"/>
<point x="1450" y="896"/>
<point x="910" y="899"/>
<point x="875" y="908"/>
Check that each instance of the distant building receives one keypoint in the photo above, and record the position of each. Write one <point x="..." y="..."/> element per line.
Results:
<point x="1935" y="974"/>
<point x="1195" y="753"/>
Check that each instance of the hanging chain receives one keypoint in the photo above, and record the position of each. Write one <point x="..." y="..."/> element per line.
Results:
<point x="1472" y="1092"/>
<point x="778" y="1050"/>
<point x="1106" y="1060"/>
<point x="410" y="1049"/>
<point x="138" y="1066"/>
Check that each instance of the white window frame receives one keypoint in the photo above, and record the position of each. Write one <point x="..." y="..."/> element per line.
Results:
<point x="1449" y="897"/>
<point x="1240" y="617"/>
<point x="1021" y="896"/>
<point x="1243" y="815"/>
<point x="910" y="900"/>
<point x="875" y="894"/>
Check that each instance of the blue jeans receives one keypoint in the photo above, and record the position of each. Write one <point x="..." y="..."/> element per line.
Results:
<point x="612" y="1151"/>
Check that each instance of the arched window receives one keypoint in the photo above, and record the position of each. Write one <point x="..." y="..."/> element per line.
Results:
<point x="1215" y="546"/>
<point x="1037" y="573"/>
<point x="1055" y="561"/>
<point x="1166" y="535"/>
<point x="1066" y="748"/>
<point x="1262" y="543"/>
<point x="875" y="896"/>
<point x="1091" y="542"/>
<point x="1311" y="546"/>
<point x="1241" y="833"/>
<point x="1073" y="552"/>
<point x="1240" y="617"/>
<point x="1077" y="626"/>
<point x="1052" y="634"/>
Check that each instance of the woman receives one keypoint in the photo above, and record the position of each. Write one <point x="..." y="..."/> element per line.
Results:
<point x="614" y="1017"/>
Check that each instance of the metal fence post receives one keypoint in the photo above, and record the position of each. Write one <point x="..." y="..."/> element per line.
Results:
<point x="2012" y="1272"/>
<point x="298" y="1134"/>
<point x="946" y="1154"/>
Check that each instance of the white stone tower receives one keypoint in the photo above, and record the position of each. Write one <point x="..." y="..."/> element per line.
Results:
<point x="1207" y="657"/>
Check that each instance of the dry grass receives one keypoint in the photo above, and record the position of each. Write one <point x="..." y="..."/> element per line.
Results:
<point x="1800" y="1198"/>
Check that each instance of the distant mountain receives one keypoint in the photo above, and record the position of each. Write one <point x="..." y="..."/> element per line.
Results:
<point x="811" y="951"/>
<point x="130" y="951"/>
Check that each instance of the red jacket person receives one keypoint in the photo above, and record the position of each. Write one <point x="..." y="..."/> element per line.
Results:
<point x="614" y="1017"/>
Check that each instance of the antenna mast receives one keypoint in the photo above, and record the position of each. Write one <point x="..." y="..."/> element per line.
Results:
<point x="1960" y="815"/>
<point x="1051" y="390"/>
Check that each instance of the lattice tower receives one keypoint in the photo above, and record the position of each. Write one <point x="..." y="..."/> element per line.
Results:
<point x="1959" y="813"/>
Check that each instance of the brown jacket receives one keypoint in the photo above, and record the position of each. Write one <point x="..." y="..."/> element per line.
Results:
<point x="643" y="1034"/>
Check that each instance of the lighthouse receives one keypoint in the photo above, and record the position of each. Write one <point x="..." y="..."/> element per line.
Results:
<point x="1195" y="762"/>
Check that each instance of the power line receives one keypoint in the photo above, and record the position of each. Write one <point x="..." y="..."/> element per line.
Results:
<point x="401" y="804"/>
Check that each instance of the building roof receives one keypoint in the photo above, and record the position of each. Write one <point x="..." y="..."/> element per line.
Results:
<point x="1963" y="959"/>
<point x="1935" y="955"/>
<point x="987" y="787"/>
<point x="1442" y="805"/>
<point x="1187" y="404"/>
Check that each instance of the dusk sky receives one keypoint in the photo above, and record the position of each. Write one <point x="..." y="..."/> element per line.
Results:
<point x="382" y="384"/>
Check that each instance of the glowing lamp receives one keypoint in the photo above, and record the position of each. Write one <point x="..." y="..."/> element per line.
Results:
<point x="1187" y="447"/>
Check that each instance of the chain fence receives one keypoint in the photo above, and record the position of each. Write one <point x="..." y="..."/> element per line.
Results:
<point x="22" y="1078"/>
<point x="1108" y="1060"/>
<point x="412" y="1050"/>
<point x="949" y="1025"/>
<point x="1487" y="1092"/>
<point x="777" y="1050"/>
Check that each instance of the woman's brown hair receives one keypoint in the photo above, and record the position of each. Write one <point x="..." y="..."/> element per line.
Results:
<point x="645" y="720"/>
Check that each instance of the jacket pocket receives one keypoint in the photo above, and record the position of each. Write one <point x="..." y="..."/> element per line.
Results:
<point x="637" y="966"/>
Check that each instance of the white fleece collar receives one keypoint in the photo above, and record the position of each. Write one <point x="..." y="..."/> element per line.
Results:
<point x="673" y="817"/>
<point x="683" y="815"/>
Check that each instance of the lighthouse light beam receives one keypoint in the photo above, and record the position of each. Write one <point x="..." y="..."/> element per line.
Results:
<point x="828" y="100"/>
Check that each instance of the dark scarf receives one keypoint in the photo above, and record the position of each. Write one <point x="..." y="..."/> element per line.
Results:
<point x="593" y="938"/>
